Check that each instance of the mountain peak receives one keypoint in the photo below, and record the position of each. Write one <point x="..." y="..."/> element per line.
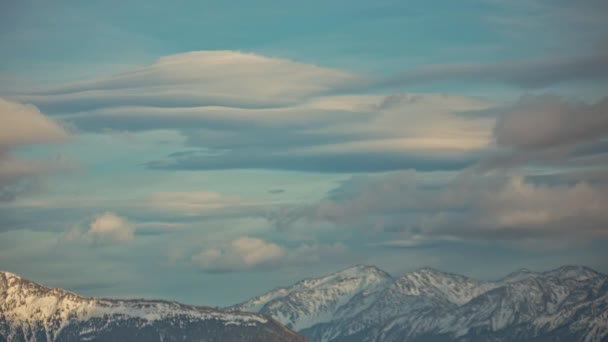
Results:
<point x="9" y="275"/>
<point x="520" y="274"/>
<point x="361" y="269"/>
<point x="428" y="281"/>
<point x="576" y="272"/>
<point x="429" y="270"/>
<point x="316" y="300"/>
<point x="30" y="309"/>
<point x="344" y="306"/>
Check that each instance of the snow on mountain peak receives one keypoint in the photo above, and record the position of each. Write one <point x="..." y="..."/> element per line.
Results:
<point x="573" y="272"/>
<point x="428" y="302"/>
<point x="23" y="302"/>
<point x="521" y="274"/>
<point x="312" y="301"/>
<point x="32" y="312"/>
<point x="430" y="282"/>
<point x="363" y="273"/>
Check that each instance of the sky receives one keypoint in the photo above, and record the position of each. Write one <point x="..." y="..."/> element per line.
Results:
<point x="208" y="151"/>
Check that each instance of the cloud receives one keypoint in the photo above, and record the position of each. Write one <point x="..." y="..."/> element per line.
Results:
<point x="109" y="226"/>
<point x="253" y="112"/>
<point x="153" y="213"/>
<point x="518" y="210"/>
<point x="105" y="228"/>
<point x="246" y="111"/>
<point x="199" y="78"/>
<point x="471" y="207"/>
<point x="548" y="130"/>
<point x="381" y="133"/>
<point x="24" y="124"/>
<point x="242" y="253"/>
<point x="540" y="122"/>
<point x="192" y="202"/>
<point x="247" y="253"/>
<point x="534" y="73"/>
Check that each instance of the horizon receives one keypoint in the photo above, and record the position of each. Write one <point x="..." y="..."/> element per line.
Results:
<point x="207" y="152"/>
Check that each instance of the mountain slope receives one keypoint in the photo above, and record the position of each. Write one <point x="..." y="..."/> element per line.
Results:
<point x="32" y="312"/>
<point x="569" y="303"/>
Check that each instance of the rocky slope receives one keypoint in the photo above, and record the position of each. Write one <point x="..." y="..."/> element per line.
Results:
<point x="364" y="303"/>
<point x="32" y="312"/>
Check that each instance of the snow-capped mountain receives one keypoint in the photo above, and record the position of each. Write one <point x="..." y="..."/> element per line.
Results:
<point x="313" y="301"/>
<point x="32" y="312"/>
<point x="364" y="303"/>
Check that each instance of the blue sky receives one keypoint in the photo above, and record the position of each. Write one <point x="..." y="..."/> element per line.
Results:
<point x="209" y="151"/>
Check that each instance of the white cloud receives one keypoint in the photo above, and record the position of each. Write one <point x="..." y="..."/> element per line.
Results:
<point x="197" y="202"/>
<point x="412" y="123"/>
<point x="246" y="253"/>
<point x="198" y="78"/>
<point x="111" y="227"/>
<point x="242" y="253"/>
<point x="105" y="228"/>
<point x="23" y="124"/>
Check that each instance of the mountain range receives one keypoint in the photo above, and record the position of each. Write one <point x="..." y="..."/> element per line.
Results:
<point x="360" y="303"/>
<point x="365" y="303"/>
<point x="32" y="312"/>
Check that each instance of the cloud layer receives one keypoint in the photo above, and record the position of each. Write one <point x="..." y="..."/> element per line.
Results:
<point x="246" y="111"/>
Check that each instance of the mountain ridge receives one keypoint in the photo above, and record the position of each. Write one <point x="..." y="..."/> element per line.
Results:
<point x="32" y="312"/>
<point x="428" y="304"/>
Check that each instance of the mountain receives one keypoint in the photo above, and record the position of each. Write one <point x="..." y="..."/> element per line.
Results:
<point x="364" y="303"/>
<point x="32" y="312"/>
<point x="313" y="301"/>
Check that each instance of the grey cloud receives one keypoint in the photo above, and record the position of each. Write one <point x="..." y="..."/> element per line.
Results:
<point x="549" y="130"/>
<point x="470" y="208"/>
<point x="212" y="118"/>
<point x="524" y="73"/>
<point x="380" y="133"/>
<point x="550" y="121"/>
